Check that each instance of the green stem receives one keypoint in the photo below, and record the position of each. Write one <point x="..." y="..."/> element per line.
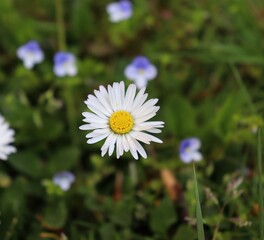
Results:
<point x="60" y="25"/>
<point x="243" y="88"/>
<point x="261" y="213"/>
<point x="199" y="216"/>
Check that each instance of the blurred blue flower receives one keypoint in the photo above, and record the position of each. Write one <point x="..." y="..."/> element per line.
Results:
<point x="64" y="64"/>
<point x="189" y="150"/>
<point x="30" y="53"/>
<point x="64" y="180"/>
<point x="141" y="71"/>
<point x="119" y="11"/>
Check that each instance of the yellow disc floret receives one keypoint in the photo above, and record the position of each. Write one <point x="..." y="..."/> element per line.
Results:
<point x="121" y="122"/>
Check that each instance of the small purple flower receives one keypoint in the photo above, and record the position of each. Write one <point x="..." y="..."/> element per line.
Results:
<point x="141" y="71"/>
<point x="30" y="53"/>
<point x="64" y="180"/>
<point x="64" y="64"/>
<point x="119" y="11"/>
<point x="189" y="150"/>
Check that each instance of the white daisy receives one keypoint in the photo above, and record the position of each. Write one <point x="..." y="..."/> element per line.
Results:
<point x="121" y="118"/>
<point x="6" y="137"/>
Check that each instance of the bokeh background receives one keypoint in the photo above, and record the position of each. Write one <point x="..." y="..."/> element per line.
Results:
<point x="210" y="58"/>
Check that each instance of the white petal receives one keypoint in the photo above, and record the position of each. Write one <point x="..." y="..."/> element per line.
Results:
<point x="141" y="82"/>
<point x="99" y="105"/>
<point x="29" y="62"/>
<point x="145" y="118"/>
<point x="104" y="101"/>
<point x="108" y="141"/>
<point x="130" y="94"/>
<point x="131" y="72"/>
<point x="197" y="156"/>
<point x="125" y="143"/>
<point x="149" y="111"/>
<point x="119" y="147"/>
<point x="140" y="149"/>
<point x="151" y="72"/>
<point x="91" y="117"/>
<point x="86" y="127"/>
<point x="96" y="109"/>
<point x="140" y="136"/>
<point x="145" y="137"/>
<point x="139" y="99"/>
<point x="195" y="143"/>
<point x="59" y="71"/>
<point x="112" y="145"/>
<point x="132" y="146"/>
<point x="146" y="106"/>
<point x="186" y="158"/>
<point x="153" y="130"/>
<point x="97" y="132"/>
<point x="98" y="138"/>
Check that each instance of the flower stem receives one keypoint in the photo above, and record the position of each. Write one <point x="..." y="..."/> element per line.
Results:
<point x="60" y="25"/>
<point x="261" y="213"/>
<point x="199" y="217"/>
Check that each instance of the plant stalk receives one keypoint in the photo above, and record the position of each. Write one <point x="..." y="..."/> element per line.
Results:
<point x="199" y="217"/>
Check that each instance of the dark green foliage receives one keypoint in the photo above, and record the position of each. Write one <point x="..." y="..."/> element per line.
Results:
<point x="197" y="47"/>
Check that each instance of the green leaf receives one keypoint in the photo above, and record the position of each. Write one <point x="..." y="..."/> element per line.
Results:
<point x="27" y="163"/>
<point x="107" y="232"/>
<point x="55" y="214"/>
<point x="64" y="159"/>
<point x="179" y="115"/>
<point x="222" y="121"/>
<point x="185" y="232"/>
<point x="122" y="214"/>
<point x="163" y="217"/>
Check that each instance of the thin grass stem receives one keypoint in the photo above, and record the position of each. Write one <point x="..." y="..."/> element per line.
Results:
<point x="261" y="213"/>
<point x="60" y="25"/>
<point x="199" y="217"/>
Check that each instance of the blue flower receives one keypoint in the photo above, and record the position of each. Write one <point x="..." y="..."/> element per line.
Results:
<point x="141" y="71"/>
<point x="64" y="180"/>
<point x="64" y="64"/>
<point x="30" y="53"/>
<point x="189" y="150"/>
<point x="119" y="11"/>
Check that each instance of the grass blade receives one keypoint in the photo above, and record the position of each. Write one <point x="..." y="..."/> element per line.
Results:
<point x="261" y="213"/>
<point x="244" y="89"/>
<point x="199" y="217"/>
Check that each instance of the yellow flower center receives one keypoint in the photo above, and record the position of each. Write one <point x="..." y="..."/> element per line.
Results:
<point x="121" y="122"/>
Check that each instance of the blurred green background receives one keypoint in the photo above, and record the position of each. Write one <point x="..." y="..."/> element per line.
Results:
<point x="203" y="50"/>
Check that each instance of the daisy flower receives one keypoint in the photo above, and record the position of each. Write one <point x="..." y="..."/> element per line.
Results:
<point x="7" y="137"/>
<point x="122" y="119"/>
<point x="64" y="180"/>
<point x="119" y="11"/>
<point x="64" y="64"/>
<point x="141" y="71"/>
<point x="30" y="53"/>
<point x="189" y="150"/>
